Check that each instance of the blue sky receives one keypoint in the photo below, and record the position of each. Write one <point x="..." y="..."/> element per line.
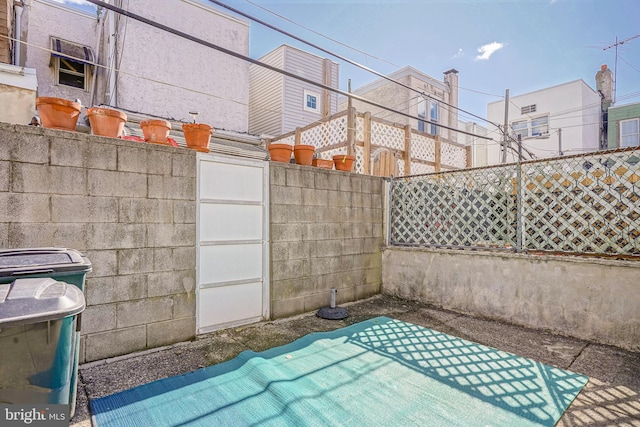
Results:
<point x="494" y="44"/>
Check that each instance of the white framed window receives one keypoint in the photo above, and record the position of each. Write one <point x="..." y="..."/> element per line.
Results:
<point x="432" y="106"/>
<point x="537" y="126"/>
<point x="540" y="126"/>
<point x="521" y="128"/>
<point x="434" y="116"/>
<point x="311" y="101"/>
<point x="422" y="113"/>
<point x="72" y="63"/>
<point x="629" y="133"/>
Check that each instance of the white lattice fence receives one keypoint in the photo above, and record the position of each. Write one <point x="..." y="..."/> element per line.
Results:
<point x="385" y="135"/>
<point x="326" y="134"/>
<point x="586" y="204"/>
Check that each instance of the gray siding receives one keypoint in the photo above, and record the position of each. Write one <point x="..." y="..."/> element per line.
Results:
<point x="266" y="95"/>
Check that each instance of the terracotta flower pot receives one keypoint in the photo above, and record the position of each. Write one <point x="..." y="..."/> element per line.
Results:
<point x="197" y="136"/>
<point x="322" y="163"/>
<point x="343" y="162"/>
<point x="106" y="121"/>
<point x="303" y="154"/>
<point x="156" y="131"/>
<point x="280" y="152"/>
<point x="58" y="113"/>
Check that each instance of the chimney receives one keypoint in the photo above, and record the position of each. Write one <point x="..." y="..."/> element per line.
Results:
<point x="451" y="80"/>
<point x="604" y="86"/>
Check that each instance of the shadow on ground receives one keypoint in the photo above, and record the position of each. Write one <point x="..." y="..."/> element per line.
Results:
<point x="611" y="398"/>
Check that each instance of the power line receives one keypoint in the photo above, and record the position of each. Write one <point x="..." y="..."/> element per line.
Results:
<point x="351" y="47"/>
<point x="321" y="35"/>
<point x="259" y="63"/>
<point x="315" y="46"/>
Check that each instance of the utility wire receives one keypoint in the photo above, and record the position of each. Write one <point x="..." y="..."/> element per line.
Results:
<point x="351" y="47"/>
<point x="315" y="46"/>
<point x="259" y="63"/>
<point x="321" y="35"/>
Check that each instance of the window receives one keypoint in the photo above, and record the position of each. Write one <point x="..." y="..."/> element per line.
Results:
<point x="540" y="126"/>
<point x="71" y="73"/>
<point x="528" y="109"/>
<point x="520" y="128"/>
<point x="433" y="109"/>
<point x="311" y="101"/>
<point x="72" y="63"/>
<point x="433" y="116"/>
<point x="629" y="135"/>
<point x="422" y="113"/>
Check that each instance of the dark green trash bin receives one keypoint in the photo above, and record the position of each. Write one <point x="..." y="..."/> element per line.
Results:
<point x="62" y="264"/>
<point x="38" y="319"/>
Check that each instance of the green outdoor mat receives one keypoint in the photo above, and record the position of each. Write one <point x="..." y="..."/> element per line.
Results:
<point x="381" y="372"/>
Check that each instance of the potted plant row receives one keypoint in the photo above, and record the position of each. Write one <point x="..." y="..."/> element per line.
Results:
<point x="302" y="153"/>
<point x="62" y="114"/>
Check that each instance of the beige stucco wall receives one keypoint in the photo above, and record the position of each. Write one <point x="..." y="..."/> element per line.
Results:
<point x="591" y="299"/>
<point x="22" y="102"/>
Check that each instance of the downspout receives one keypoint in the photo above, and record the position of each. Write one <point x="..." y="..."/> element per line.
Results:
<point x="94" y="82"/>
<point x="112" y="99"/>
<point x="17" y="29"/>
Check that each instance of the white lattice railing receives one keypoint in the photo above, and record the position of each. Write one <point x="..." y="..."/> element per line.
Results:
<point x="331" y="136"/>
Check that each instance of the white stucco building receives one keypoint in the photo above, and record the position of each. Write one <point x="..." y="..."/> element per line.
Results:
<point x="279" y="103"/>
<point x="141" y="69"/>
<point x="559" y="120"/>
<point x="478" y="145"/>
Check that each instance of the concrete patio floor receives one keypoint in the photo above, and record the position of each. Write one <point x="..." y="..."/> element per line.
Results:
<point x="611" y="398"/>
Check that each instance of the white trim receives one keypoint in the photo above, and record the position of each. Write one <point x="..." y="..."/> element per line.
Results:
<point x="210" y="8"/>
<point x="515" y="97"/>
<point x="305" y="107"/>
<point x="66" y="8"/>
<point x="403" y="72"/>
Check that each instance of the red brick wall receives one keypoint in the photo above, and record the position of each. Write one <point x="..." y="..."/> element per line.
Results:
<point x="5" y="30"/>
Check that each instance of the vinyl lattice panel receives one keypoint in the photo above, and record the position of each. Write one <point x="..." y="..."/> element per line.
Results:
<point x="464" y="208"/>
<point x="587" y="204"/>
<point x="326" y="134"/>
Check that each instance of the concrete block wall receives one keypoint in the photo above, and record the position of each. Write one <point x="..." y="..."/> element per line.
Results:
<point x="326" y="231"/>
<point x="130" y="207"/>
<point x="587" y="298"/>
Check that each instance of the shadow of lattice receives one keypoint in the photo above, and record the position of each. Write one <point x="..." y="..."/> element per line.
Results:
<point x="601" y="404"/>
<point x="535" y="391"/>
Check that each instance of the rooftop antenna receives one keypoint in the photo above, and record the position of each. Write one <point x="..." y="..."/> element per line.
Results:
<point x="615" y="65"/>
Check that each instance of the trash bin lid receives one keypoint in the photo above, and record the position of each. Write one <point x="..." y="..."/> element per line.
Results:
<point x="41" y="260"/>
<point x="27" y="301"/>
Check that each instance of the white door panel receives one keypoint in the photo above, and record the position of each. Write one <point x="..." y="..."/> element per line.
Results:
<point x="228" y="263"/>
<point x="232" y="182"/>
<point x="223" y="222"/>
<point x="240" y="302"/>
<point x="232" y="268"/>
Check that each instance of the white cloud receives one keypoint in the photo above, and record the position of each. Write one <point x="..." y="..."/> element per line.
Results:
<point x="458" y="54"/>
<point x="489" y="49"/>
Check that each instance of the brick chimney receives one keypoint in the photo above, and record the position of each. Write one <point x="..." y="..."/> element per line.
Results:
<point x="6" y="15"/>
<point x="604" y="86"/>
